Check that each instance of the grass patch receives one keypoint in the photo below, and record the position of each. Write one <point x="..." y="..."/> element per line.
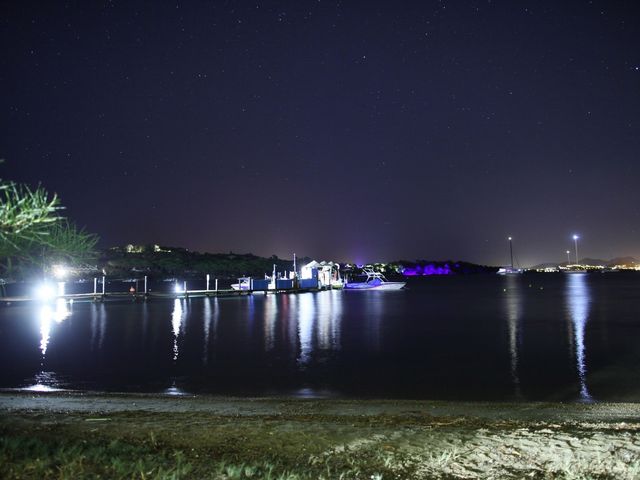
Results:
<point x="32" y="457"/>
<point x="295" y="446"/>
<point x="67" y="450"/>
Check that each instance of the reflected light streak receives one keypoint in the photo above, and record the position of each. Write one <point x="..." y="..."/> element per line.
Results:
<point x="513" y="306"/>
<point x="45" y="328"/>
<point x="176" y="323"/>
<point x="98" y="325"/>
<point x="270" y="319"/>
<point x="290" y="323"/>
<point x="374" y="317"/>
<point x="94" y="325"/>
<point x="145" y="322"/>
<point x="44" y="382"/>
<point x="578" y="300"/>
<point x="207" y="329"/>
<point x="48" y="315"/>
<point x="103" y="325"/>
<point x="175" y="391"/>
<point x="61" y="312"/>
<point x="329" y="319"/>
<point x="306" y="314"/>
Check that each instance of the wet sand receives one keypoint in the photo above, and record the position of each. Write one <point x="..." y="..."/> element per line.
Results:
<point x="326" y="438"/>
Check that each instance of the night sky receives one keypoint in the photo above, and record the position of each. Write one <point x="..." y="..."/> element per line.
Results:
<point x="353" y="131"/>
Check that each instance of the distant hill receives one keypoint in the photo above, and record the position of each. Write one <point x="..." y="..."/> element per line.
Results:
<point x="609" y="263"/>
<point x="594" y="261"/>
<point x="160" y="261"/>
<point x="623" y="261"/>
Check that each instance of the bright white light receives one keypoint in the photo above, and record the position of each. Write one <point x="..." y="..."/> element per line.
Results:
<point x="45" y="292"/>
<point x="178" y="288"/>
<point x="60" y="271"/>
<point x="509" y="239"/>
<point x="575" y="237"/>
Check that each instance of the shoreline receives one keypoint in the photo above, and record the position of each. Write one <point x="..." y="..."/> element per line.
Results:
<point x="164" y="436"/>
<point x="96" y="401"/>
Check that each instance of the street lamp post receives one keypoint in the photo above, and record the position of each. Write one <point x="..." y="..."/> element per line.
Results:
<point x="568" y="258"/>
<point x="575" y="240"/>
<point x="511" y="251"/>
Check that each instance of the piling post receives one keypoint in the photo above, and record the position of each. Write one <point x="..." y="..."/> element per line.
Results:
<point x="186" y="294"/>
<point x="216" y="284"/>
<point x="207" y="282"/>
<point x="103" y="286"/>
<point x="95" y="285"/>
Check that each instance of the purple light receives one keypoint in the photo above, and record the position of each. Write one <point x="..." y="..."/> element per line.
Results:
<point x="429" y="269"/>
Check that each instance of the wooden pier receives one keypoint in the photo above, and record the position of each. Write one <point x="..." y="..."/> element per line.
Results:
<point x="141" y="296"/>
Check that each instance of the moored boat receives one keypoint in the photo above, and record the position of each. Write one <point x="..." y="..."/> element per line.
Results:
<point x="510" y="270"/>
<point x="374" y="281"/>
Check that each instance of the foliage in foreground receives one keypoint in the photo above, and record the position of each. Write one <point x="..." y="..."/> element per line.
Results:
<point x="35" y="457"/>
<point x="31" y="457"/>
<point x="33" y="234"/>
<point x="44" y="458"/>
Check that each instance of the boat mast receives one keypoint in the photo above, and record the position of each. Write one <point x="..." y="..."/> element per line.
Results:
<point x="295" y="270"/>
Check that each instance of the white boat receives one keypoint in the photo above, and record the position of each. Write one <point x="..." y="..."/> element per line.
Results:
<point x="509" y="271"/>
<point x="244" y="283"/>
<point x="374" y="281"/>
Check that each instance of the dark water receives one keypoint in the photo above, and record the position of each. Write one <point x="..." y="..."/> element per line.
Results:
<point x="531" y="337"/>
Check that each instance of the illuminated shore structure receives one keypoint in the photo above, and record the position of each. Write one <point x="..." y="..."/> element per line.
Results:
<point x="327" y="273"/>
<point x="313" y="276"/>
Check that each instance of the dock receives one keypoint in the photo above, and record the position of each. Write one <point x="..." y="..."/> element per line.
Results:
<point x="311" y="281"/>
<point x="141" y="296"/>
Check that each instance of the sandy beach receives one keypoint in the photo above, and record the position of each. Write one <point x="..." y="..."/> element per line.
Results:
<point x="224" y="437"/>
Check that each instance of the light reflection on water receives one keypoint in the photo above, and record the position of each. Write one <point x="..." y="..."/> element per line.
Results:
<point x="45" y="330"/>
<point x="306" y="317"/>
<point x="374" y="316"/>
<point x="44" y="382"/>
<point x="175" y="391"/>
<point x="270" y="320"/>
<point x="48" y="314"/>
<point x="49" y="317"/>
<point x="335" y="341"/>
<point x="207" y="329"/>
<point x="329" y="320"/>
<point x="513" y="306"/>
<point x="290" y="330"/>
<point x="98" y="315"/>
<point x="578" y="300"/>
<point x="176" y="324"/>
